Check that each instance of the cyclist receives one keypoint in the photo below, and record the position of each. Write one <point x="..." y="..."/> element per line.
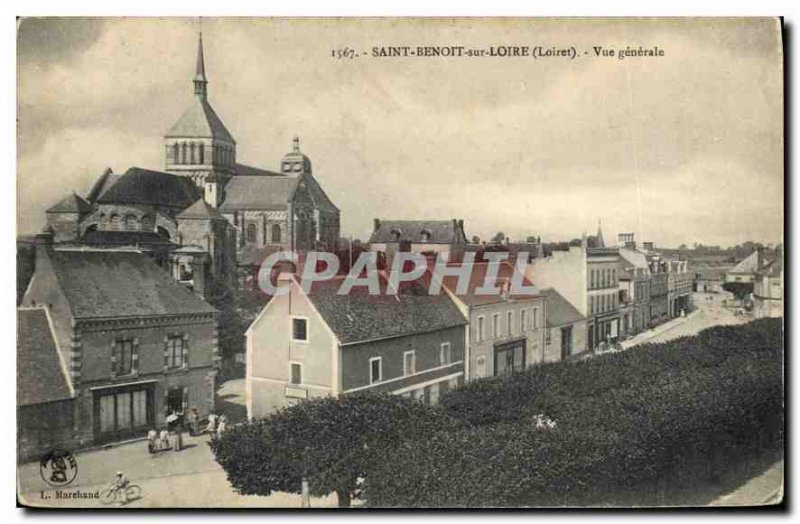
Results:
<point x="121" y="485"/>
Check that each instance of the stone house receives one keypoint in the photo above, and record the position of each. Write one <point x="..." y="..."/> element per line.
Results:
<point x="506" y="331"/>
<point x="565" y="327"/>
<point x="305" y="345"/>
<point x="135" y="343"/>
<point x="418" y="236"/>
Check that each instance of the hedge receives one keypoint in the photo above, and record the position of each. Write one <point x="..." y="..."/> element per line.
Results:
<point x="620" y="420"/>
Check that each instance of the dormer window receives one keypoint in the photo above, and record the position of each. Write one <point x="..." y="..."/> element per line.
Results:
<point x="396" y="233"/>
<point x="426" y="235"/>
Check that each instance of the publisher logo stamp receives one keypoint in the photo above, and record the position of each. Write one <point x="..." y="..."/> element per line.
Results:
<point x="58" y="468"/>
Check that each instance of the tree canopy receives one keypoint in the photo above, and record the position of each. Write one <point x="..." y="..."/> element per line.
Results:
<point x="328" y="440"/>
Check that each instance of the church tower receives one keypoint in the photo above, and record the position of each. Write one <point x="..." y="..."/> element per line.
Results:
<point x="199" y="144"/>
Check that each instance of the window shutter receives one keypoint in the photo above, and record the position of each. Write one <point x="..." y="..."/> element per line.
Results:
<point x="114" y="350"/>
<point x="185" y="351"/>
<point x="135" y="356"/>
<point x="185" y="401"/>
<point x="166" y="353"/>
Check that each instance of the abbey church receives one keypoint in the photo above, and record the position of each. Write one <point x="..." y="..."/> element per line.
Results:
<point x="205" y="210"/>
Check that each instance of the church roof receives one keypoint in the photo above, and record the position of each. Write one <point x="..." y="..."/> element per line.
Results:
<point x="318" y="195"/>
<point x="142" y="186"/>
<point x="120" y="284"/>
<point x="200" y="210"/>
<point x="106" y="180"/>
<point x="71" y="203"/>
<point x="200" y="121"/>
<point x="243" y="170"/>
<point x="259" y="192"/>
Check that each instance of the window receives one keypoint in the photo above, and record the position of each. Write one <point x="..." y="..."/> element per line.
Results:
<point x="296" y="376"/>
<point x="548" y="336"/>
<point x="183" y="153"/>
<point x="480" y="367"/>
<point x="122" y="411"/>
<point x="176" y="154"/>
<point x="375" y="370"/>
<point x="591" y="280"/>
<point x="191" y="153"/>
<point x="131" y="223"/>
<point x="496" y="325"/>
<point x="175" y="352"/>
<point x="115" y="222"/>
<point x="445" y="354"/>
<point x="300" y="329"/>
<point x="147" y="223"/>
<point x="251" y="233"/>
<point x="201" y="154"/>
<point x="481" y="335"/>
<point x="509" y="357"/>
<point x="535" y="318"/>
<point x="409" y="363"/>
<point x="123" y="357"/>
<point x="276" y="233"/>
<point x="522" y="326"/>
<point x="510" y="322"/>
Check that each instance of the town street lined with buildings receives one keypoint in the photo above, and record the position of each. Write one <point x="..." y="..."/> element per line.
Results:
<point x="151" y="307"/>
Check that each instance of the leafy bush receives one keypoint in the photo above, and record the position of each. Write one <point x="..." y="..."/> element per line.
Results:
<point x="622" y="419"/>
<point x="327" y="440"/>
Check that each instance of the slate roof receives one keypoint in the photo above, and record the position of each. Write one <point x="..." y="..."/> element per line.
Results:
<point x="271" y="193"/>
<point x="774" y="268"/>
<point x="104" y="182"/>
<point x="71" y="203"/>
<point x="124" y="238"/>
<point x="440" y="231"/>
<point x="120" y="284"/>
<point x="143" y="186"/>
<point x="559" y="311"/>
<point x="40" y="374"/>
<point x="748" y="265"/>
<point x="318" y="195"/>
<point x="359" y="317"/>
<point x="635" y="258"/>
<point x="200" y="210"/>
<point x="478" y="277"/>
<point x="243" y="170"/>
<point x="200" y="121"/>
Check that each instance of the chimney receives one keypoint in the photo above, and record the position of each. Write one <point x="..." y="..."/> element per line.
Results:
<point x="648" y="246"/>
<point x="377" y="223"/>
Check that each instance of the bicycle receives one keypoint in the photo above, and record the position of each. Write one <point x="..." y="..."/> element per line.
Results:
<point x="114" y="494"/>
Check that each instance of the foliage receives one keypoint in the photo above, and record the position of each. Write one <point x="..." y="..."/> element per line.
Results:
<point x="740" y="290"/>
<point x="621" y="420"/>
<point x="498" y="238"/>
<point x="328" y="440"/>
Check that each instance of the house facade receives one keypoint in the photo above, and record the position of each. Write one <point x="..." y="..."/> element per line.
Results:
<point x="320" y="342"/>
<point x="506" y="330"/>
<point x="587" y="276"/>
<point x="444" y="237"/>
<point x="679" y="287"/>
<point x="768" y="290"/>
<point x="565" y="327"/>
<point x="136" y="344"/>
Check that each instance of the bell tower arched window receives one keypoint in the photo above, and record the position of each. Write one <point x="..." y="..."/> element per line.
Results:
<point x="183" y="153"/>
<point x="191" y="154"/>
<point x="201" y="154"/>
<point x="276" y="233"/>
<point x="251" y="233"/>
<point x="176" y="154"/>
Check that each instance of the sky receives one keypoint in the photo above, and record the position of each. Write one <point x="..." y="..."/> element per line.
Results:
<point x="680" y="149"/>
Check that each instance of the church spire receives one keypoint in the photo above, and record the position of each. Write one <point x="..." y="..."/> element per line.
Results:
<point x="200" y="81"/>
<point x="600" y="240"/>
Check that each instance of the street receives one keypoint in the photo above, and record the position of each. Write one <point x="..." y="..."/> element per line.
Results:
<point x="708" y="312"/>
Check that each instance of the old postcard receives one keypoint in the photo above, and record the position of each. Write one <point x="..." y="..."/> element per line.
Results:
<point x="400" y="262"/>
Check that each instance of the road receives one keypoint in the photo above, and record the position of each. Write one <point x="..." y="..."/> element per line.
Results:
<point x="708" y="312"/>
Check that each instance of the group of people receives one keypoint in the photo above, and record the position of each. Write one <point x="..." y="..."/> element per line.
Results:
<point x="171" y="436"/>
